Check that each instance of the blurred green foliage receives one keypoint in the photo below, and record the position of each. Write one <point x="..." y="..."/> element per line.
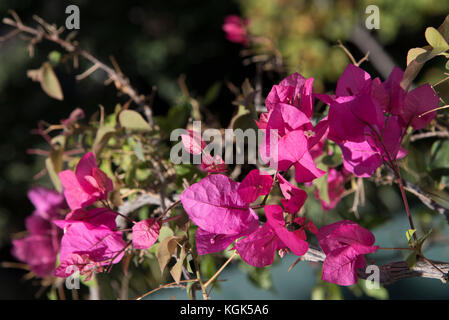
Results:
<point x="306" y="32"/>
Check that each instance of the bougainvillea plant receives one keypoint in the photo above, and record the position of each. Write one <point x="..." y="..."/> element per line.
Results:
<point x="119" y="199"/>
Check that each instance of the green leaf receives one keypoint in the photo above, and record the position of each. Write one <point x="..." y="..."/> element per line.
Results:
<point x="444" y="28"/>
<point x="138" y="150"/>
<point x="212" y="93"/>
<point x="447" y="65"/>
<point x="53" y="165"/>
<point x="321" y="184"/>
<point x="379" y="294"/>
<point x="436" y="40"/>
<point x="243" y="121"/>
<point x="54" y="57"/>
<point x="411" y="259"/>
<point x="132" y="120"/>
<point x="207" y="266"/>
<point x="50" y="83"/>
<point x="52" y="295"/>
<point x="261" y="277"/>
<point x="101" y="138"/>
<point x="326" y="291"/>
<point x="438" y="45"/>
<point x="409" y="234"/>
<point x="333" y="160"/>
<point x="422" y="240"/>
<point x="414" y="53"/>
<point x="91" y="283"/>
<point x="318" y="293"/>
<point x="165" y="232"/>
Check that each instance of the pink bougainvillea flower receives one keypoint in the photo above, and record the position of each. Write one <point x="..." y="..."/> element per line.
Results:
<point x="345" y="243"/>
<point x="221" y="208"/>
<point x="417" y="105"/>
<point x="236" y="29"/>
<point x="48" y="203"/>
<point x="212" y="164"/>
<point x="263" y="121"/>
<point x="39" y="252"/>
<point x="75" y="116"/>
<point x="195" y="145"/>
<point x="40" y="248"/>
<point x="412" y="107"/>
<point x="207" y="242"/>
<point x="193" y="142"/>
<point x="294" y="90"/>
<point x="95" y="217"/>
<point x="368" y="118"/>
<point x="259" y="248"/>
<point x="87" y="184"/>
<point x="254" y="185"/>
<point x="215" y="205"/>
<point x="294" y="197"/>
<point x="336" y="180"/>
<point x="82" y="263"/>
<point x="290" y="136"/>
<point x="145" y="233"/>
<point x="101" y="244"/>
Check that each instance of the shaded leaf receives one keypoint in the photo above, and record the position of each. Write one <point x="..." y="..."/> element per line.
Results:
<point x="176" y="270"/>
<point x="165" y="251"/>
<point x="138" y="150"/>
<point x="411" y="259"/>
<point x="413" y="53"/>
<point x="102" y="137"/>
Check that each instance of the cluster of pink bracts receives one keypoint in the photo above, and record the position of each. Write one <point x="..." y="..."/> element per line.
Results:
<point x="367" y="118"/>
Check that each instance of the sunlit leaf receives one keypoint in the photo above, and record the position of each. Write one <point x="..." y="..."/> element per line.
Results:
<point x="132" y="120"/>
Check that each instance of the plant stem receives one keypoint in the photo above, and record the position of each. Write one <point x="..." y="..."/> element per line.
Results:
<point x="380" y="248"/>
<point x="168" y="285"/>
<point x="220" y="270"/>
<point x="174" y="204"/>
<point x="404" y="197"/>
<point x="432" y="264"/>
<point x="198" y="276"/>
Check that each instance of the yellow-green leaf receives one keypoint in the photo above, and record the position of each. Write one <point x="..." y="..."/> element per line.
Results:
<point x="53" y="174"/>
<point x="409" y="234"/>
<point x="132" y="120"/>
<point x="436" y="40"/>
<point x="50" y="83"/>
<point x="413" y="53"/>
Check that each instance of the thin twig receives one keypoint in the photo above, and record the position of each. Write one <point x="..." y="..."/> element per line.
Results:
<point x="168" y="285"/>
<point x="220" y="270"/>
<point x="51" y="34"/>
